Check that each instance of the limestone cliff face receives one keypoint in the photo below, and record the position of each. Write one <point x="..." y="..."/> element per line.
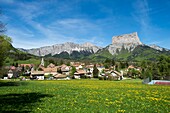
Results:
<point x="126" y="41"/>
<point x="66" y="47"/>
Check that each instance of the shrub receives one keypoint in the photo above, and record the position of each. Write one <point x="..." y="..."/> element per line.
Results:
<point x="101" y="78"/>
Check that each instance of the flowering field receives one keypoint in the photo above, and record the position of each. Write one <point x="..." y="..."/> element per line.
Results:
<point x="83" y="96"/>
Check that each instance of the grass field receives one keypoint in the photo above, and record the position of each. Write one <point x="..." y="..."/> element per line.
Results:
<point x="83" y="96"/>
<point x="29" y="61"/>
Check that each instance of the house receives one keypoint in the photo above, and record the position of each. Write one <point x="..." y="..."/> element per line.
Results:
<point x="80" y="74"/>
<point x="48" y="71"/>
<point x="89" y="75"/>
<point x="78" y="67"/>
<point x="38" y="75"/>
<point x="101" y="68"/>
<point x="51" y="65"/>
<point x="61" y="77"/>
<point x="76" y="76"/>
<point x="139" y="69"/>
<point x="131" y="67"/>
<point x="27" y="68"/>
<point x="158" y="82"/>
<point x="10" y="73"/>
<point x="14" y="72"/>
<point x="27" y="73"/>
<point x="51" y="69"/>
<point x="65" y="69"/>
<point x="90" y="68"/>
<point x="117" y="75"/>
<point x="12" y="67"/>
<point x="77" y="63"/>
<point x="106" y="70"/>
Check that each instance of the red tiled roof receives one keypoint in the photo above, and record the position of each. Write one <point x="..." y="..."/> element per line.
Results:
<point x="60" y="76"/>
<point x="80" y="72"/>
<point x="29" y="65"/>
<point x="50" y="69"/>
<point x="51" y="65"/>
<point x="131" y="67"/>
<point x="13" y="68"/>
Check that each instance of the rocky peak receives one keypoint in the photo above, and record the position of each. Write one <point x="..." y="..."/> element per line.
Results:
<point x="131" y="38"/>
<point x="126" y="41"/>
<point x="88" y="44"/>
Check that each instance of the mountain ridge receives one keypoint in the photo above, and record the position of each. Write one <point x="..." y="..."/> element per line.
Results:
<point x="121" y="44"/>
<point x="59" y="48"/>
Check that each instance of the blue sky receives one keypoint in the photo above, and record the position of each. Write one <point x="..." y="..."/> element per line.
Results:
<point x="37" y="23"/>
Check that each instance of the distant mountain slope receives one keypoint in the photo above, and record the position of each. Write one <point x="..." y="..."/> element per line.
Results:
<point x="73" y="55"/>
<point x="158" y="47"/>
<point x="141" y="52"/>
<point x="145" y="52"/>
<point x="100" y="55"/>
<point x="68" y="47"/>
<point x="19" y="55"/>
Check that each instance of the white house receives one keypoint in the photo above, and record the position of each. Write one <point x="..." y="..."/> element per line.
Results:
<point x="38" y="75"/>
<point x="10" y="73"/>
<point x="65" y="70"/>
<point x="117" y="75"/>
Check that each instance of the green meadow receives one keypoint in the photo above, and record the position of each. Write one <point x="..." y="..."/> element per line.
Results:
<point x="83" y="96"/>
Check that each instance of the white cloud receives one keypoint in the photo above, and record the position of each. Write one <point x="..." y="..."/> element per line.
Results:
<point x="78" y="30"/>
<point x="141" y="15"/>
<point x="7" y="1"/>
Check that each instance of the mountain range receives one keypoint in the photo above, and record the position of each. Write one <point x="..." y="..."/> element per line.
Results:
<point x="123" y="47"/>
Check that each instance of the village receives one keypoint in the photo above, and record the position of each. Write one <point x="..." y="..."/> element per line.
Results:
<point x="76" y="70"/>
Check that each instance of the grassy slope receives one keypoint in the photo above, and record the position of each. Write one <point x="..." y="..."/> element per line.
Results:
<point x="29" y="61"/>
<point x="20" y="57"/>
<point x="140" y="53"/>
<point x="146" y="53"/>
<point x="83" y="96"/>
<point x="100" y="55"/>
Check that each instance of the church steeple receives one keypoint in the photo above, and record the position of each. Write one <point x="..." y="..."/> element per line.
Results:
<point x="42" y="62"/>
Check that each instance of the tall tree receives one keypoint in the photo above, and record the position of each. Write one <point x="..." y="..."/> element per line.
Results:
<point x="51" y="61"/>
<point x="113" y="62"/>
<point x="95" y="71"/>
<point x="5" y="45"/>
<point x="155" y="72"/>
<point x="73" y="70"/>
<point x="61" y="62"/>
<point x="2" y="26"/>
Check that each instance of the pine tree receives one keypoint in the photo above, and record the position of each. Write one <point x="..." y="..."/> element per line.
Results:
<point x="5" y="45"/>
<point x="95" y="71"/>
<point x="73" y="70"/>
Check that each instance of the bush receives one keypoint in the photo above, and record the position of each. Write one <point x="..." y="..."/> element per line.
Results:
<point x="48" y="76"/>
<point x="101" y="78"/>
<point x="95" y="71"/>
<point x="105" y="77"/>
<point x="83" y="76"/>
<point x="112" y="78"/>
